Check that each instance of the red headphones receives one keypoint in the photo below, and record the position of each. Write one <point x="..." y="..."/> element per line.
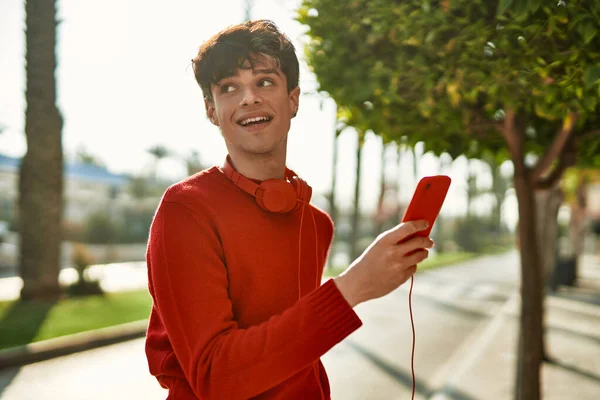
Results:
<point x="274" y="195"/>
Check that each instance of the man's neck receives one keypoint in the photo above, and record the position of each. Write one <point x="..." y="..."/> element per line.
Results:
<point x="259" y="167"/>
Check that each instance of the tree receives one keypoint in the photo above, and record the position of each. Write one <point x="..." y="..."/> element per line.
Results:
<point x="499" y="188"/>
<point x="248" y="6"/>
<point x="193" y="163"/>
<point x="380" y="212"/>
<point x="158" y="152"/>
<point x="575" y="186"/>
<point x="515" y="78"/>
<point x="472" y="191"/>
<point x="83" y="156"/>
<point x="355" y="232"/>
<point x="41" y="170"/>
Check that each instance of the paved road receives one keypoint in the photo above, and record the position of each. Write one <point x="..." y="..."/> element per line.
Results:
<point x="373" y="363"/>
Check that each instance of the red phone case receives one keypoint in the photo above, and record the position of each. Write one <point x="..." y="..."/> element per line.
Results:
<point x="427" y="201"/>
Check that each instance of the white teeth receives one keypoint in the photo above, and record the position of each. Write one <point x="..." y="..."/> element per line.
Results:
<point x="255" y="119"/>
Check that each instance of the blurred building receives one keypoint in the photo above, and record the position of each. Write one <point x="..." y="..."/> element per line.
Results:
<point x="87" y="188"/>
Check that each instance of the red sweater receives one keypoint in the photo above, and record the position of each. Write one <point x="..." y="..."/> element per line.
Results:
<point x="227" y="321"/>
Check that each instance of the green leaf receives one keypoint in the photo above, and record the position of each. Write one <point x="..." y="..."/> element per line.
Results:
<point x="588" y="31"/>
<point x="591" y="76"/>
<point x="503" y="6"/>
<point x="534" y="5"/>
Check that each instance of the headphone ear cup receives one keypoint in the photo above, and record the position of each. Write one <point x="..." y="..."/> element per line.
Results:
<point x="278" y="196"/>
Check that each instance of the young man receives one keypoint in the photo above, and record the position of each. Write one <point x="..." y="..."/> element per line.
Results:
<point x="236" y="253"/>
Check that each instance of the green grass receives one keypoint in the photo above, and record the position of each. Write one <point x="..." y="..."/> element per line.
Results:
<point x="23" y="323"/>
<point x="445" y="259"/>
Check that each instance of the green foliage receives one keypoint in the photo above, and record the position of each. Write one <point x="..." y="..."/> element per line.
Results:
<point x="99" y="228"/>
<point x="478" y="235"/>
<point x="445" y="72"/>
<point x="135" y="225"/>
<point x="82" y="259"/>
<point x="131" y="226"/>
<point x="139" y="187"/>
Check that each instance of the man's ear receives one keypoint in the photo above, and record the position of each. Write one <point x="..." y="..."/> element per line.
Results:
<point x="294" y="98"/>
<point x="210" y="111"/>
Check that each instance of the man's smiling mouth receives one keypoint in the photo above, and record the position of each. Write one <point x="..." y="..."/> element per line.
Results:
<point x="254" y="121"/>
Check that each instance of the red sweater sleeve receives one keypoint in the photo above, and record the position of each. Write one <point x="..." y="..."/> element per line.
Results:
<point x="189" y="285"/>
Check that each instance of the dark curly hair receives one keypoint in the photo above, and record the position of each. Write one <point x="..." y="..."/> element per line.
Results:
<point x="237" y="47"/>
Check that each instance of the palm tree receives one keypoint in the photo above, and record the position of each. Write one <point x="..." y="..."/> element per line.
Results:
<point x="193" y="163"/>
<point x="41" y="171"/>
<point x="158" y="152"/>
<point x="249" y="4"/>
<point x="85" y="157"/>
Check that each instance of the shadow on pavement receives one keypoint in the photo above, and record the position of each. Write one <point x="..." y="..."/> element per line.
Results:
<point x="6" y="377"/>
<point x="405" y="378"/>
<point x="18" y="325"/>
<point x="451" y="393"/>
<point x="401" y="377"/>
<point x="574" y="369"/>
<point x="469" y="313"/>
<point x="584" y="292"/>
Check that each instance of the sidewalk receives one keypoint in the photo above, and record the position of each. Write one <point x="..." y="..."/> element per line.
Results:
<point x="485" y="368"/>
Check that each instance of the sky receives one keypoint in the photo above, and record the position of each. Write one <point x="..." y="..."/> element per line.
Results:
<point x="125" y="84"/>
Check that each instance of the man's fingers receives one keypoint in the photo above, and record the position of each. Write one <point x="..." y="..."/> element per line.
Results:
<point x="410" y="271"/>
<point x="404" y="230"/>
<point x="413" y="244"/>
<point x="416" y="258"/>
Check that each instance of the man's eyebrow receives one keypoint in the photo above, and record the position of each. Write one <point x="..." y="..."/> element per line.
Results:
<point x="266" y="71"/>
<point x="255" y="71"/>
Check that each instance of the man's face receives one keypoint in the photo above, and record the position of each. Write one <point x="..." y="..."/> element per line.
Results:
<point x="253" y="109"/>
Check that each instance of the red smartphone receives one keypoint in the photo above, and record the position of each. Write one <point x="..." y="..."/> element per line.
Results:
<point x="427" y="202"/>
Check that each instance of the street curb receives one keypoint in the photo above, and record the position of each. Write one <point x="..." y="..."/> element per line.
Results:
<point x="69" y="344"/>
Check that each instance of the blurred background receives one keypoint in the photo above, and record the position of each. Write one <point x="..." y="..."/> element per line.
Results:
<point x="134" y="123"/>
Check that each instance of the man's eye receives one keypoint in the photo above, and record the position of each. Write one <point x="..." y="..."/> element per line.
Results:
<point x="227" y="88"/>
<point x="265" y="82"/>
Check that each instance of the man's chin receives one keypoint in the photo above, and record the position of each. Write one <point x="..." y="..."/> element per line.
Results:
<point x="260" y="149"/>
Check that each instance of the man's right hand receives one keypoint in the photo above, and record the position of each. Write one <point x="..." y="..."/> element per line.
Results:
<point x="385" y="265"/>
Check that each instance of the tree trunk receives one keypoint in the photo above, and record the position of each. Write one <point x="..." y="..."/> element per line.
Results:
<point x="381" y="212"/>
<point x="471" y="188"/>
<point x="498" y="191"/>
<point x="399" y="182"/>
<point x="354" y="234"/>
<point x="530" y="330"/>
<point x="547" y="203"/>
<point x="332" y="206"/>
<point x="41" y="171"/>
<point x="576" y="224"/>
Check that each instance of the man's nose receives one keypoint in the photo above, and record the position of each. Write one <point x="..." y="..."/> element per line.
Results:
<point x="250" y="96"/>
